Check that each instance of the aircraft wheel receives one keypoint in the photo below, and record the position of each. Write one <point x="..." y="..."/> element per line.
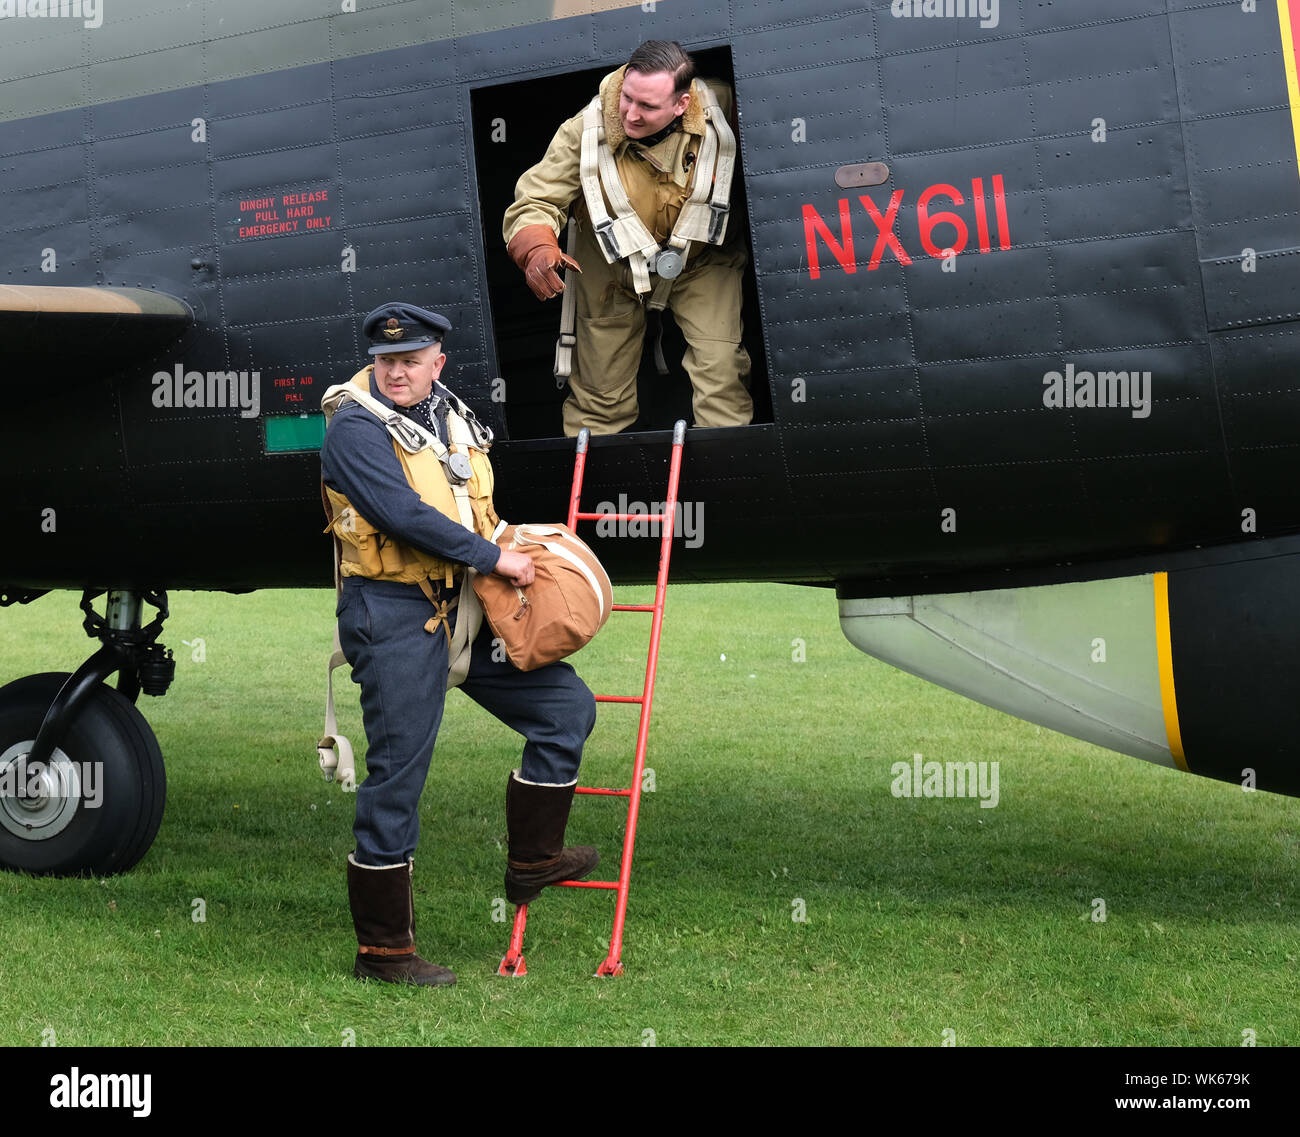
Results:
<point x="96" y="808"/>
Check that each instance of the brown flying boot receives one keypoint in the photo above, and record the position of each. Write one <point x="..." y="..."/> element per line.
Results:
<point x="383" y="912"/>
<point x="536" y="817"/>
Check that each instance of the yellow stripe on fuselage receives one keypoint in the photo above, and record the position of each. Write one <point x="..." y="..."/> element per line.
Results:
<point x="1289" y="59"/>
<point x="1165" y="660"/>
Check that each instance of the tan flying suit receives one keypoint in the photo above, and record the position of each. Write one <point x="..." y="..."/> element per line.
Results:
<point x="610" y="325"/>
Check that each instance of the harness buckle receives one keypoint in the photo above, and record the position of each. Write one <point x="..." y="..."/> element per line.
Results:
<point x="717" y="220"/>
<point x="666" y="263"/>
<point x="411" y="438"/>
<point x="459" y="471"/>
<point x="605" y="232"/>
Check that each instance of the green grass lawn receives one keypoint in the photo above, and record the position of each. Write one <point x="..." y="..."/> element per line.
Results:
<point x="772" y="799"/>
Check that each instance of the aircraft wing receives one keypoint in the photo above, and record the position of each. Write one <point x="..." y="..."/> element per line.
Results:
<point x="110" y="326"/>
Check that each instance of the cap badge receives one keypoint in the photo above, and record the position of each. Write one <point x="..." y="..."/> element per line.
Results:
<point x="393" y="329"/>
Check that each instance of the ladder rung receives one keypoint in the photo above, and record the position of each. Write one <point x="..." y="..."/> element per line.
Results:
<point x="618" y="698"/>
<point x="586" y="883"/>
<point x="634" y="608"/>
<point x="610" y="793"/>
<point x="659" y="517"/>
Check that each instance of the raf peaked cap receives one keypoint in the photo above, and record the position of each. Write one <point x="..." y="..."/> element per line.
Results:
<point x="403" y="327"/>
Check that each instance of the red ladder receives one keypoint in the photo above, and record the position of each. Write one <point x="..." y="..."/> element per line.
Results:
<point x="513" y="963"/>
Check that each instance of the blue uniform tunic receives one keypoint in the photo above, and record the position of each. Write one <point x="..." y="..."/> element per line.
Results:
<point x="402" y="669"/>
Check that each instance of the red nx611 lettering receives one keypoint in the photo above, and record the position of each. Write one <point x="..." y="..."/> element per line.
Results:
<point x="842" y="249"/>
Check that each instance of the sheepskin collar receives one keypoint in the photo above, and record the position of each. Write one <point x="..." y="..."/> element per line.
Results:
<point x="611" y="89"/>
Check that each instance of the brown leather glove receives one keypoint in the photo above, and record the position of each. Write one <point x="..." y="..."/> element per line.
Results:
<point x="537" y="252"/>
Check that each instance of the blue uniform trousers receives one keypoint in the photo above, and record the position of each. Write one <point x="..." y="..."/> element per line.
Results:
<point x="402" y="670"/>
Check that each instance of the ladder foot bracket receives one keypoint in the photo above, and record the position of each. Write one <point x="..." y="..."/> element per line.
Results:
<point x="512" y="965"/>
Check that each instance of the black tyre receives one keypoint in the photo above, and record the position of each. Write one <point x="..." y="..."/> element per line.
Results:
<point x="97" y="808"/>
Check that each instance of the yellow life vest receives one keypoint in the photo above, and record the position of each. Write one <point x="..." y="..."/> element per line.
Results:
<point x="365" y="551"/>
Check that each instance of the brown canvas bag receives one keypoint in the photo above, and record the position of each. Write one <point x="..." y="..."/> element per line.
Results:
<point x="566" y="605"/>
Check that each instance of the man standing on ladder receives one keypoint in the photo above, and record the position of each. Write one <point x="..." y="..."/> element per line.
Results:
<point x="649" y="163"/>
<point x="409" y="484"/>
